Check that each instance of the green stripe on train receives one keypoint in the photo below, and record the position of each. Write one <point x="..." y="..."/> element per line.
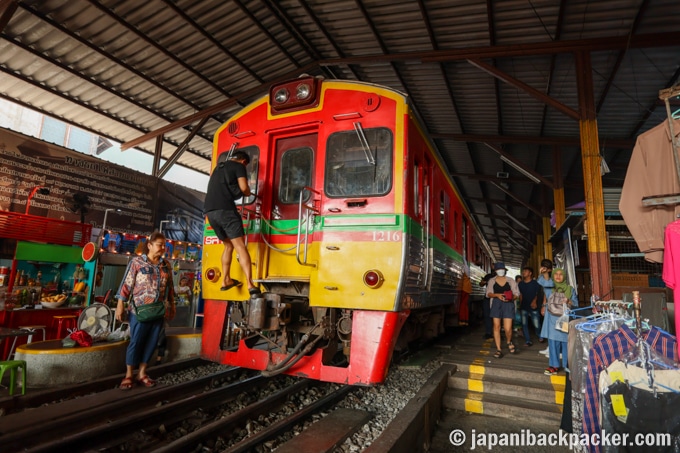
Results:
<point x="353" y="223"/>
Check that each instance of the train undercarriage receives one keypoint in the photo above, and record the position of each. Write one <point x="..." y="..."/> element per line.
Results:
<point x="278" y="333"/>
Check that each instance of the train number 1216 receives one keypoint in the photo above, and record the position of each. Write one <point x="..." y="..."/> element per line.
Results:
<point x="387" y="236"/>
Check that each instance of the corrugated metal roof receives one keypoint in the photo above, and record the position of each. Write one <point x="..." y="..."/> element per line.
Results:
<point x="122" y="69"/>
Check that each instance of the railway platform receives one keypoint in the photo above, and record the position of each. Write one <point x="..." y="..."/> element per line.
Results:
<point x="486" y="396"/>
<point x="50" y="364"/>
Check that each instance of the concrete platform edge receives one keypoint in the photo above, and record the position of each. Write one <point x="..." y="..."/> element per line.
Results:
<point x="411" y="431"/>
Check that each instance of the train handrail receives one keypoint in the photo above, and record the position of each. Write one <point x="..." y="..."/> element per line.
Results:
<point x="310" y="220"/>
<point x="248" y="212"/>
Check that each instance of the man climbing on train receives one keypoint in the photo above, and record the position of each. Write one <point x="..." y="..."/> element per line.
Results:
<point x="229" y="182"/>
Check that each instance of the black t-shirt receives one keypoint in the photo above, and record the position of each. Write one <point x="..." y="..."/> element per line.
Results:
<point x="223" y="187"/>
<point x="529" y="290"/>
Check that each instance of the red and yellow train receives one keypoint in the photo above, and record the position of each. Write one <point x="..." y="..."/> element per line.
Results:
<point x="358" y="236"/>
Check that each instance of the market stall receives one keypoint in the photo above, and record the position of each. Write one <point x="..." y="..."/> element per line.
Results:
<point x="117" y="249"/>
<point x="47" y="267"/>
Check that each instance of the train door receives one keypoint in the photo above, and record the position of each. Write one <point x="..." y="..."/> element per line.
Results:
<point x="423" y="213"/>
<point x="293" y="172"/>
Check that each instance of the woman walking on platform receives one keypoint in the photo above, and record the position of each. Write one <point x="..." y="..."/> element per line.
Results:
<point x="502" y="291"/>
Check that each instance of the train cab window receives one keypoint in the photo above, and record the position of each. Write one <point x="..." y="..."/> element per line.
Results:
<point x="356" y="167"/>
<point x="251" y="169"/>
<point x="297" y="165"/>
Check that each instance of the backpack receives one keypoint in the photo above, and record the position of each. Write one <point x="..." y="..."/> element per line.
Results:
<point x="556" y="303"/>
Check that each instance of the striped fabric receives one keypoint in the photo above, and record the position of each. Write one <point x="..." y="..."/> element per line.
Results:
<point x="606" y="349"/>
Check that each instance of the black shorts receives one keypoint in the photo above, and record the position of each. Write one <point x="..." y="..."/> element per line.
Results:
<point x="226" y="224"/>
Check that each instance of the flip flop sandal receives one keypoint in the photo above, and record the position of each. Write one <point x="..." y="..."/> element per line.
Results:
<point x="498" y="354"/>
<point x="234" y="284"/>
<point x="511" y="348"/>
<point x="146" y="381"/>
<point x="126" y="384"/>
<point x="254" y="291"/>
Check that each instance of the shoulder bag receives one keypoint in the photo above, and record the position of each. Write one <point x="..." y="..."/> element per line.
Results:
<point x="155" y="310"/>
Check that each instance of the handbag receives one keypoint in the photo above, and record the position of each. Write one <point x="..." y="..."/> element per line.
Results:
<point x="150" y="312"/>
<point x="557" y="303"/>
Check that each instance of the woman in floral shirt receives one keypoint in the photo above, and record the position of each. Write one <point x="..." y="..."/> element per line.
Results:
<point x="147" y="278"/>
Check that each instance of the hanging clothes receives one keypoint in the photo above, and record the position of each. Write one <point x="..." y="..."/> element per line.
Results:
<point x="608" y="348"/>
<point x="647" y="412"/>
<point x="651" y="172"/>
<point x="671" y="268"/>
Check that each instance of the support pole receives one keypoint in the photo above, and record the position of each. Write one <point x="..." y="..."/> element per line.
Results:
<point x="547" y="245"/>
<point x="598" y="245"/>
<point x="558" y="184"/>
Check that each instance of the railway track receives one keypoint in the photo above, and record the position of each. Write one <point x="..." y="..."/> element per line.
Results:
<point x="37" y="398"/>
<point x="219" y="410"/>
<point x="201" y="406"/>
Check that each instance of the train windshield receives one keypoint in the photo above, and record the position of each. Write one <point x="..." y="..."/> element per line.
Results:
<point x="359" y="163"/>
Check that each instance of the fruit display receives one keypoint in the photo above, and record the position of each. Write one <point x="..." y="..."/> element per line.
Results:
<point x="54" y="298"/>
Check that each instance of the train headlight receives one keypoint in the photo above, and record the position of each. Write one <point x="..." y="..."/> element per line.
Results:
<point x="213" y="274"/>
<point x="295" y="95"/>
<point x="281" y="96"/>
<point x="303" y="91"/>
<point x="373" y="278"/>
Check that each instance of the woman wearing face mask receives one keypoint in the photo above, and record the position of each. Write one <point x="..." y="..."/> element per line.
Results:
<point x="502" y="291"/>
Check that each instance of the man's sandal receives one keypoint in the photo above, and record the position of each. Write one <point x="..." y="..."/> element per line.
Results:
<point x="498" y="354"/>
<point x="126" y="384"/>
<point x="511" y="348"/>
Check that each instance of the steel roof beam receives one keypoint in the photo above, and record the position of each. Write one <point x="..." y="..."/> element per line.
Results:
<point x="433" y="41"/>
<point x="220" y="106"/>
<point x="296" y="33"/>
<point x="7" y="10"/>
<point x="637" y="41"/>
<point x="96" y="83"/>
<point x="162" y="50"/>
<point x="266" y="32"/>
<point x="495" y="179"/>
<point x="540" y="96"/>
<point x="180" y="149"/>
<point x="211" y="38"/>
<point x="531" y="140"/>
<point x="497" y="91"/>
<point x="670" y="39"/>
<point x="516" y="198"/>
<point x="502" y="153"/>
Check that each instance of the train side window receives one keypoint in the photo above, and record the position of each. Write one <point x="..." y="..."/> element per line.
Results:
<point x="416" y="189"/>
<point x="251" y="169"/>
<point x="455" y="229"/>
<point x="444" y="208"/>
<point x="353" y="171"/>
<point x="465" y="237"/>
<point x="296" y="172"/>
